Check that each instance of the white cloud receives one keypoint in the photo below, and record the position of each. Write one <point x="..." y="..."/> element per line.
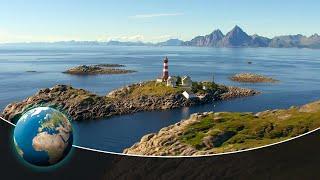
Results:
<point x="162" y="38"/>
<point x="12" y="37"/>
<point x="137" y="37"/>
<point x="144" y="16"/>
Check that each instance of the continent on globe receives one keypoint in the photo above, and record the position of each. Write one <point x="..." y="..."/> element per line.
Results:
<point x="43" y="136"/>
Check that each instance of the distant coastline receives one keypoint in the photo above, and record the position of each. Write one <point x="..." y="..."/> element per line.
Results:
<point x="236" y="38"/>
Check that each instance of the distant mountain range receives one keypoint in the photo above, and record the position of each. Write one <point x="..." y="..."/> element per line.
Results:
<point x="235" y="38"/>
<point x="238" y="38"/>
<point x="171" y="42"/>
<point x="119" y="43"/>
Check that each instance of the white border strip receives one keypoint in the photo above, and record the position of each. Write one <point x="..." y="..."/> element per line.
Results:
<point x="196" y="156"/>
<point x="7" y="121"/>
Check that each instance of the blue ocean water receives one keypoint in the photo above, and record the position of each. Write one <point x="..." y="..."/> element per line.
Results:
<point x="297" y="69"/>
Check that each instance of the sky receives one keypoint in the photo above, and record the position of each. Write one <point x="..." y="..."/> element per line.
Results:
<point x="151" y="20"/>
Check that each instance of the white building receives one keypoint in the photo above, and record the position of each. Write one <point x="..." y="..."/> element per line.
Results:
<point x="186" y="82"/>
<point x="172" y="81"/>
<point x="159" y="80"/>
<point x="188" y="95"/>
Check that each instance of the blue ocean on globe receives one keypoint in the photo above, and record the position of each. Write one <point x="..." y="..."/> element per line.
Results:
<point x="43" y="136"/>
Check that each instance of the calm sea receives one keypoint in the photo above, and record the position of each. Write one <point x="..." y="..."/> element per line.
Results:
<point x="297" y="69"/>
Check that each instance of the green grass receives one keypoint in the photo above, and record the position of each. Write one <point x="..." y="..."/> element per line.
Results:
<point x="197" y="87"/>
<point x="153" y="88"/>
<point x="160" y="89"/>
<point x="196" y="132"/>
<point x="246" y="130"/>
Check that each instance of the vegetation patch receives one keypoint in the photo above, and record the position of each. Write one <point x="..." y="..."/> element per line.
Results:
<point x="153" y="88"/>
<point x="205" y="87"/>
<point x="228" y="131"/>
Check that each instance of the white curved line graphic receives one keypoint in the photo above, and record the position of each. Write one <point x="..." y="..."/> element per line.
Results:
<point x="8" y="122"/>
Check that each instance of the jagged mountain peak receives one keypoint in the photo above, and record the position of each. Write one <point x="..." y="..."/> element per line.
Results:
<point x="236" y="27"/>
<point x="236" y="30"/>
<point x="216" y="35"/>
<point x="315" y="36"/>
<point x="239" y="38"/>
<point x="217" y="31"/>
<point x="236" y="38"/>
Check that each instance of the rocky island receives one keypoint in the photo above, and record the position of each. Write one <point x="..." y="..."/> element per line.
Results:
<point x="98" y="69"/>
<point x="211" y="133"/>
<point x="146" y="96"/>
<point x="252" y="78"/>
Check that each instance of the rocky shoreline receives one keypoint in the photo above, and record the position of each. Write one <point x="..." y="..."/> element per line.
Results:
<point x="83" y="105"/>
<point x="218" y="132"/>
<point x="98" y="69"/>
<point x="252" y="78"/>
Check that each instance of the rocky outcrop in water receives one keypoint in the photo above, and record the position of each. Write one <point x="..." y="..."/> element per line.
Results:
<point x="98" y="69"/>
<point x="252" y="78"/>
<point x="83" y="105"/>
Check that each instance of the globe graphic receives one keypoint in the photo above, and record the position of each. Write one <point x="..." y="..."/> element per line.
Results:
<point x="43" y="136"/>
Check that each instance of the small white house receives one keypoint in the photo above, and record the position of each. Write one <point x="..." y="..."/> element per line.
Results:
<point x="172" y="81"/>
<point x="186" y="82"/>
<point x="188" y="95"/>
<point x="159" y="80"/>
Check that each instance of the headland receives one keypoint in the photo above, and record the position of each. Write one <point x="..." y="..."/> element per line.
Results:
<point x="218" y="132"/>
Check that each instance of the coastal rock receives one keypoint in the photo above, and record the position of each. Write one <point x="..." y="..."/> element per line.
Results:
<point x="166" y="142"/>
<point x="147" y="137"/>
<point x="311" y="107"/>
<point x="77" y="103"/>
<point x="234" y="92"/>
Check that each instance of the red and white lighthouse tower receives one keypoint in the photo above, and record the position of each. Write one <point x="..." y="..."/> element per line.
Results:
<point x="165" y="74"/>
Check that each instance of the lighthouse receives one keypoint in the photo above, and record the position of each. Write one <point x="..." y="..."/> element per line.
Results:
<point x="165" y="74"/>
